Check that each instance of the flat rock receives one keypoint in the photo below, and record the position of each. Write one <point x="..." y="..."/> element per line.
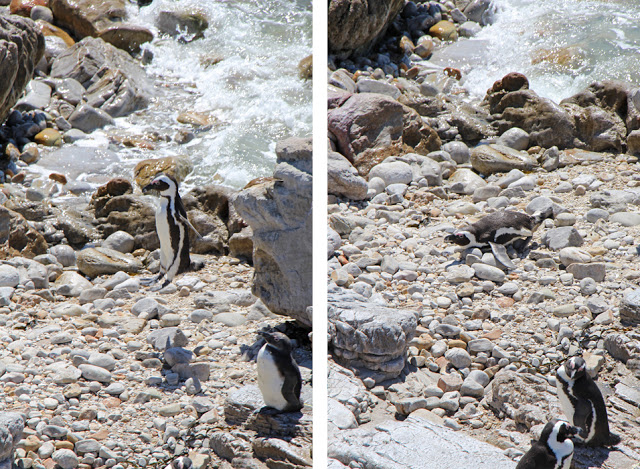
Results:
<point x="100" y="261"/>
<point x="489" y="159"/>
<point x="596" y="271"/>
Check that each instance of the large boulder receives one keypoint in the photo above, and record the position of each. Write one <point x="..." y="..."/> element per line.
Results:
<point x="394" y="444"/>
<point x="114" y="82"/>
<point x="355" y="25"/>
<point x="104" y="19"/>
<point x="513" y="104"/>
<point x="279" y="213"/>
<point x="11" y="427"/>
<point x="21" y="48"/>
<point x="369" y="127"/>
<point x="18" y="236"/>
<point x="369" y="338"/>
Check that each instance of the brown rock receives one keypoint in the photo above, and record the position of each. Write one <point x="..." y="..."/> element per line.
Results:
<point x="196" y="119"/>
<point x="305" y="68"/>
<point x="505" y="302"/>
<point x="20" y="237"/>
<point x="444" y="30"/>
<point x="86" y="17"/>
<point x="49" y="138"/>
<point x="489" y="159"/>
<point x="177" y="167"/>
<point x="48" y="29"/>
<point x="127" y="37"/>
<point x="513" y="81"/>
<point x="23" y="7"/>
<point x="450" y="382"/>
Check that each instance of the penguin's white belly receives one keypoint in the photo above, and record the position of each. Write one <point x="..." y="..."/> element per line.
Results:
<point x="270" y="380"/>
<point x="162" y="227"/>
<point x="567" y="463"/>
<point x="566" y="405"/>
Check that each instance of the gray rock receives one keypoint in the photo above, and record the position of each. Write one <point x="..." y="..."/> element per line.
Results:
<point x="70" y="90"/>
<point x="95" y="373"/>
<point x="596" y="271"/>
<point x="87" y="446"/>
<point x="65" y="458"/>
<point x="120" y="241"/>
<point x="199" y="315"/>
<point x="472" y="388"/>
<point x="71" y="284"/>
<point x="626" y="218"/>
<point x="343" y="179"/>
<point x="64" y="254"/>
<point x="396" y="172"/>
<point x="99" y="261"/>
<point x="339" y="416"/>
<point x="458" y="151"/>
<point x="480" y="345"/>
<point x="9" y="276"/>
<point x="489" y="159"/>
<point x="480" y="11"/>
<point x="87" y="118"/>
<point x="367" y="336"/>
<point x="91" y="294"/>
<point x="230" y="319"/>
<point x="559" y="238"/>
<point x="469" y="29"/>
<point x="168" y="337"/>
<point x="38" y="96"/>
<point x="465" y="181"/>
<point x="488" y="272"/>
<point x="514" y="138"/>
<point x="618" y="347"/>
<point x="102" y="360"/>
<point x="185" y="25"/>
<point x="6" y="293"/>
<point x="596" y="214"/>
<point x="458" y="357"/>
<point x="432" y="172"/>
<point x="367" y="85"/>
<point x="573" y="255"/>
<point x="630" y="307"/>
<point x="11" y="427"/>
<point x="391" y="445"/>
<point x="280" y="217"/>
<point x="613" y="200"/>
<point x="114" y="389"/>
<point x="149" y="308"/>
<point x="459" y="273"/>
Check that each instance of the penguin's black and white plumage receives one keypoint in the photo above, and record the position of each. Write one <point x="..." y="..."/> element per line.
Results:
<point x="279" y="377"/>
<point x="500" y="229"/>
<point x="172" y="226"/>
<point x="182" y="462"/>
<point x="583" y="404"/>
<point x="554" y="449"/>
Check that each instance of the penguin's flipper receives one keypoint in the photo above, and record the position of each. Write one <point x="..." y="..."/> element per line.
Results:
<point x="291" y="388"/>
<point x="186" y="220"/>
<point x="500" y="253"/>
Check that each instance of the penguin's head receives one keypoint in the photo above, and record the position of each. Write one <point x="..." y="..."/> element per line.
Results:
<point x="461" y="238"/>
<point x="277" y="340"/>
<point x="575" y="367"/>
<point x="557" y="431"/>
<point x="181" y="463"/>
<point x="165" y="185"/>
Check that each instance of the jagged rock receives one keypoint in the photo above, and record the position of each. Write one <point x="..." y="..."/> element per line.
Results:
<point x="114" y="82"/>
<point x="392" y="445"/>
<point x="20" y="237"/>
<point x="522" y="397"/>
<point x="369" y="338"/>
<point x="242" y="407"/>
<point x="21" y="48"/>
<point x="630" y="307"/>
<point x="279" y="213"/>
<point x="354" y="26"/>
<point x="11" y="427"/>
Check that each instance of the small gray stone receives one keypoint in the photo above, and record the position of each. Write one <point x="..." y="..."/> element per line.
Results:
<point x="559" y="238"/>
<point x="515" y="138"/>
<point x="162" y="339"/>
<point x="9" y="276"/>
<point x="120" y="241"/>
<point x="596" y="271"/>
<point x="95" y="373"/>
<point x="488" y="272"/>
<point x="65" y="458"/>
<point x="458" y="357"/>
<point x="596" y="214"/>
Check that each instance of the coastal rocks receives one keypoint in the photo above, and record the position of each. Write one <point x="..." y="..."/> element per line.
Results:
<point x="104" y="20"/>
<point x="343" y="179"/>
<point x="512" y="104"/>
<point x="99" y="261"/>
<point x="489" y="159"/>
<point x="11" y="427"/>
<point x="19" y="235"/>
<point x="367" y="337"/>
<point x="184" y="25"/>
<point x="177" y="167"/>
<point x="444" y="30"/>
<point x="87" y="118"/>
<point x="280" y="216"/>
<point x="114" y="82"/>
<point x="354" y="26"/>
<point x="21" y="48"/>
<point x="630" y="307"/>
<point x="391" y="444"/>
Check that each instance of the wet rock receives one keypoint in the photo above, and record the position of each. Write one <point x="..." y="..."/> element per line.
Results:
<point x="176" y="167"/>
<point x="355" y="27"/>
<point x="99" y="261"/>
<point x="367" y="337"/>
<point x="444" y="30"/>
<point x="22" y="49"/>
<point x="115" y="83"/>
<point x="87" y="118"/>
<point x="185" y="25"/>
<point x="38" y="95"/>
<point x="280" y="216"/>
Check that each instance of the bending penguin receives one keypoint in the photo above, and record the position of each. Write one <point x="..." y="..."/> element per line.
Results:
<point x="583" y="404"/>
<point x="500" y="229"/>
<point x="172" y="226"/>
<point x="279" y="377"/>
<point x="554" y="449"/>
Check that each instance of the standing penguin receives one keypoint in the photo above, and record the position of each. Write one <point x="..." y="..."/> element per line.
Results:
<point x="172" y="226"/>
<point x="500" y="229"/>
<point x="279" y="377"/>
<point x="583" y="404"/>
<point x="554" y="449"/>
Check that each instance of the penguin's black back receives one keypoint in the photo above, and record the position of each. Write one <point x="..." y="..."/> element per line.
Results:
<point x="587" y="392"/>
<point x="292" y="379"/>
<point x="486" y="228"/>
<point x="539" y="456"/>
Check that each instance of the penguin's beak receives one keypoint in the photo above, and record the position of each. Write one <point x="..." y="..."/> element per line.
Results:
<point x="265" y="335"/>
<point x="450" y="238"/>
<point x="571" y="430"/>
<point x="148" y="187"/>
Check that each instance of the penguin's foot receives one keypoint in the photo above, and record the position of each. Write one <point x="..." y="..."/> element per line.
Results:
<point x="149" y="280"/>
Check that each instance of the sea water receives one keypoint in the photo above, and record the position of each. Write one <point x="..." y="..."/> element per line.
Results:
<point x="562" y="46"/>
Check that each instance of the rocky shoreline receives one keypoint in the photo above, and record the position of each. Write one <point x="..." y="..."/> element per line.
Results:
<point x="448" y="348"/>
<point x="96" y="370"/>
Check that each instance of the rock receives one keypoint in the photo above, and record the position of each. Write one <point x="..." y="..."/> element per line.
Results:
<point x="521" y="398"/>
<point x="368" y="337"/>
<point x="176" y="167"/>
<point x="343" y="179"/>
<point x="167" y="337"/>
<point x="396" y="172"/>
<point x="185" y="25"/>
<point x="71" y="284"/>
<point x="458" y="150"/>
<point x="280" y="217"/>
<point x="459" y="274"/>
<point x="596" y="271"/>
<point x="120" y="241"/>
<point x="95" y="373"/>
<point x="11" y="427"/>
<point x="391" y="444"/>
<point x="630" y="307"/>
<point x="472" y="388"/>
<point x="9" y="276"/>
<point x="49" y="138"/>
<point x="367" y="85"/>
<point x="64" y="254"/>
<point x="480" y="11"/>
<point x="339" y="416"/>
<point x="458" y="357"/>
<point x="514" y="138"/>
<point x="469" y="29"/>
<point x="305" y="68"/>
<point x="626" y="218"/>
<point x="38" y="96"/>
<point x="115" y="83"/>
<point x="572" y="255"/>
<point x="489" y="159"/>
<point x="99" y="261"/>
<point x="87" y="118"/>
<point x="559" y="238"/>
<point x="465" y="181"/>
<point x="23" y="47"/>
<point x="355" y="27"/>
<point x="65" y="458"/>
<point x="488" y="272"/>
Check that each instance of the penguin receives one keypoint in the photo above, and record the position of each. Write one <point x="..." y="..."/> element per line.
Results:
<point x="583" y="404"/>
<point x="554" y="449"/>
<point x="172" y="226"/>
<point x="279" y="377"/>
<point x="182" y="462"/>
<point x="500" y="229"/>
